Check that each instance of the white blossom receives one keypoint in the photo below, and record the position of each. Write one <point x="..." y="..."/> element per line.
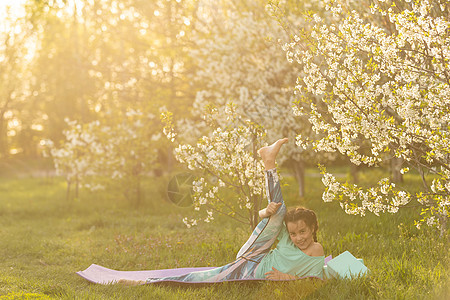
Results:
<point x="379" y="90"/>
<point x="224" y="154"/>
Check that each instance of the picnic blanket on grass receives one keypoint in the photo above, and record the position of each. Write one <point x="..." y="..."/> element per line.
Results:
<point x="102" y="275"/>
<point x="344" y="266"/>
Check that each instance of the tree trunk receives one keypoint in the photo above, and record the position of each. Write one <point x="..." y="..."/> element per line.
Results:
<point x="170" y="161"/>
<point x="256" y="200"/>
<point x="299" y="173"/>
<point x="138" y="191"/>
<point x="443" y="225"/>
<point x="77" y="187"/>
<point x="396" y="166"/>
<point x="3" y="140"/>
<point x="354" y="173"/>
<point x="255" y="213"/>
<point x="68" y="190"/>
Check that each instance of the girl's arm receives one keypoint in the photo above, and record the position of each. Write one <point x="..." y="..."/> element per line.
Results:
<point x="269" y="210"/>
<point x="277" y="275"/>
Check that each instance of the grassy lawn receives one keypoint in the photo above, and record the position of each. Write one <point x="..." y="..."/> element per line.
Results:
<point x="46" y="239"/>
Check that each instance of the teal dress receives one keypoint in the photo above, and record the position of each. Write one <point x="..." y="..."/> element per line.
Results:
<point x="288" y="258"/>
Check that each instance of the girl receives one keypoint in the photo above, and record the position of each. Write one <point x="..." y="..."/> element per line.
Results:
<point x="297" y="253"/>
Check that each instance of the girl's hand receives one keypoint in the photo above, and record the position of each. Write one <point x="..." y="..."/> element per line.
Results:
<point x="277" y="275"/>
<point x="272" y="208"/>
<point x="269" y="210"/>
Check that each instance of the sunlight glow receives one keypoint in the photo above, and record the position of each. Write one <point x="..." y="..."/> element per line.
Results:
<point x="15" y="8"/>
<point x="37" y="127"/>
<point x="15" y="151"/>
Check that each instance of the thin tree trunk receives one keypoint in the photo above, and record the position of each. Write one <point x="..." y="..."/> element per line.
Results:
<point x="77" y="187"/>
<point x="396" y="166"/>
<point x="170" y="161"/>
<point x="68" y="190"/>
<point x="256" y="199"/>
<point x="4" y="148"/>
<point x="443" y="224"/>
<point x="354" y="173"/>
<point x="253" y="219"/>
<point x="299" y="173"/>
<point x="3" y="140"/>
<point x="138" y="191"/>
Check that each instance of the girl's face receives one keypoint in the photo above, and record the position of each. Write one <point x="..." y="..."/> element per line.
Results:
<point x="301" y="234"/>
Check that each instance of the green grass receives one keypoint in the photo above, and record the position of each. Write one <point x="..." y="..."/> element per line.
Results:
<point x="45" y="240"/>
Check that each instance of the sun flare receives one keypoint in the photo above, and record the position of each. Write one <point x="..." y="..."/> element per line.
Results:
<point x="12" y="7"/>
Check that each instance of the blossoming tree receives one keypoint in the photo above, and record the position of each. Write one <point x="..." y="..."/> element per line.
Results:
<point x="225" y="158"/>
<point x="380" y="81"/>
<point x="240" y="61"/>
<point x="109" y="152"/>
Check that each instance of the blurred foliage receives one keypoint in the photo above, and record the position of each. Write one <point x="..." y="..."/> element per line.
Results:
<point x="81" y="59"/>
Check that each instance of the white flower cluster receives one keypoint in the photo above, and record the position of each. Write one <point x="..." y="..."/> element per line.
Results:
<point x="226" y="158"/>
<point x="379" y="88"/>
<point x="259" y="81"/>
<point x="71" y="160"/>
<point x="192" y="222"/>
<point x="379" y="199"/>
<point x="100" y="152"/>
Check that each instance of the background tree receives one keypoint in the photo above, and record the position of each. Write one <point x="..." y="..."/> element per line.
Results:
<point x="14" y="54"/>
<point x="239" y="58"/>
<point x="383" y="88"/>
<point x="109" y="154"/>
<point x="225" y="158"/>
<point x="94" y="60"/>
<point x="61" y="82"/>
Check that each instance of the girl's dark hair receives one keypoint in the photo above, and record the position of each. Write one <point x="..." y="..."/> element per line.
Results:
<point x="306" y="215"/>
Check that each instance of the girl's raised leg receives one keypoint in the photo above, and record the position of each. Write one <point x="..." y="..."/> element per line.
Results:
<point x="267" y="230"/>
<point x="262" y="238"/>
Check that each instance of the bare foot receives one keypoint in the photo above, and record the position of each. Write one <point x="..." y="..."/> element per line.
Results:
<point x="269" y="153"/>
<point x="128" y="282"/>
